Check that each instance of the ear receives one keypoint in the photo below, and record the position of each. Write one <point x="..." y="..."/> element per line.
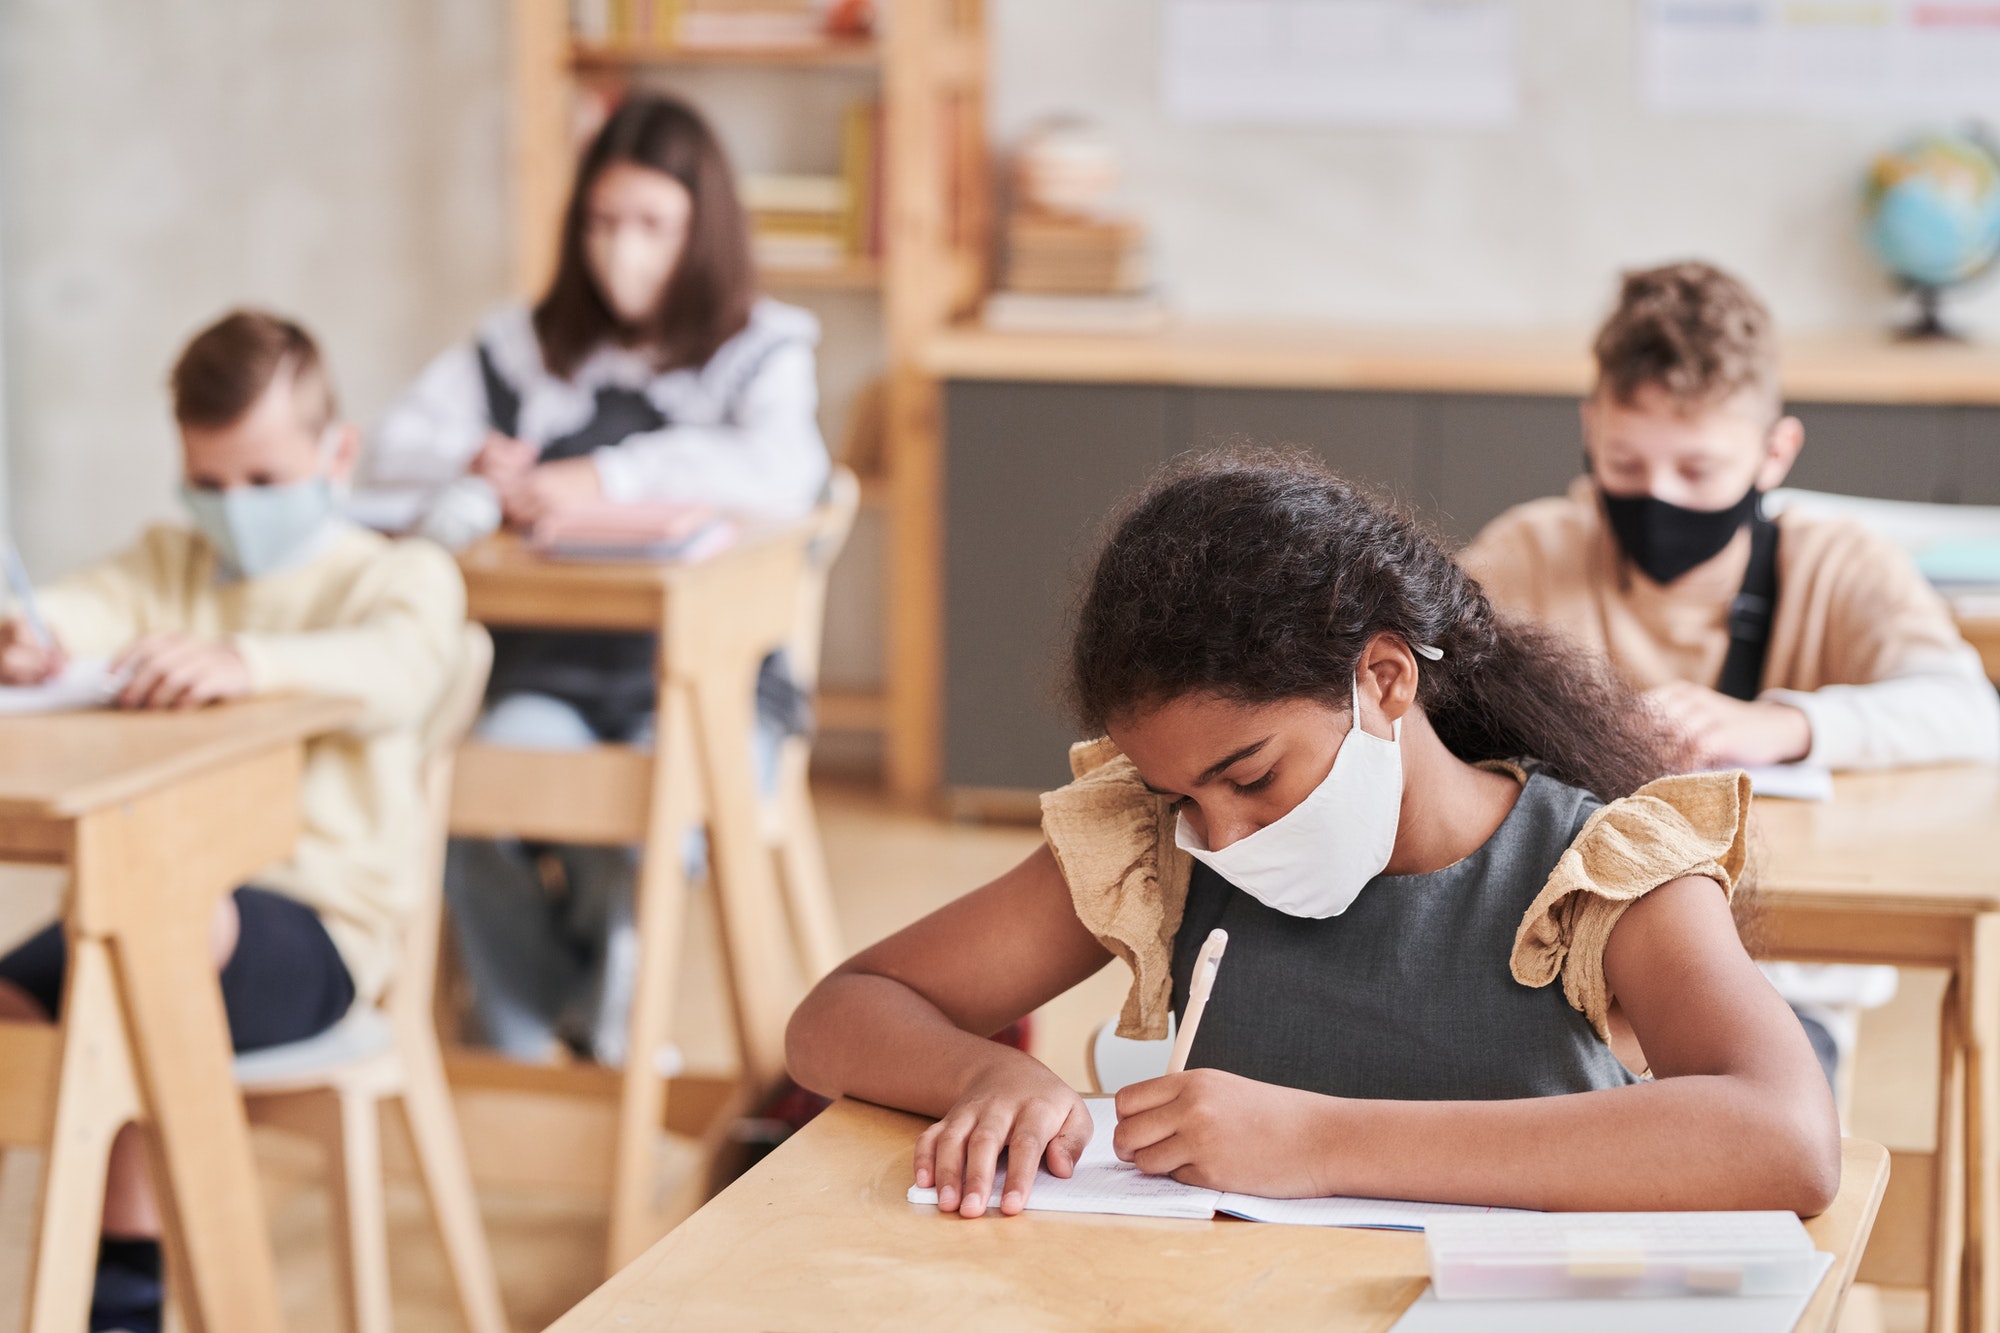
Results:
<point x="1387" y="680"/>
<point x="1787" y="438"/>
<point x="346" y="451"/>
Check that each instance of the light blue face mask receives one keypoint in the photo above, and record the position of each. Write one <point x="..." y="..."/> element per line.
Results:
<point x="259" y="530"/>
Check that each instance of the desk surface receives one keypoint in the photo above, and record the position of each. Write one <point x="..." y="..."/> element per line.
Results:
<point x="1851" y="368"/>
<point x="819" y="1236"/>
<point x="59" y="765"/>
<point x="1914" y="840"/>
<point x="507" y="582"/>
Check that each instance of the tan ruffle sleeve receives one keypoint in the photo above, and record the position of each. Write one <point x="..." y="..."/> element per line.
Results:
<point x="1697" y="824"/>
<point x="1114" y="842"/>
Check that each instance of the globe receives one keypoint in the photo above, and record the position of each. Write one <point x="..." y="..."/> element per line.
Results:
<point x="1931" y="210"/>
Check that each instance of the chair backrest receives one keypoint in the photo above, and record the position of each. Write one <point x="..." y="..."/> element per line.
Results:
<point x="1114" y="1061"/>
<point x="832" y="521"/>
<point x="451" y="720"/>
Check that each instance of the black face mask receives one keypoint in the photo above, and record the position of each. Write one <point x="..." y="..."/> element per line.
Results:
<point x="1664" y="540"/>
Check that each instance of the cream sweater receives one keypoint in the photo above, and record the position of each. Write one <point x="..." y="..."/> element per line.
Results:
<point x="366" y="618"/>
<point x="1860" y="643"/>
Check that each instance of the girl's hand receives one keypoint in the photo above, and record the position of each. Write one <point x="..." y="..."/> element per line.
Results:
<point x="503" y="460"/>
<point x="549" y="489"/>
<point x="1225" y="1132"/>
<point x="1019" y="1106"/>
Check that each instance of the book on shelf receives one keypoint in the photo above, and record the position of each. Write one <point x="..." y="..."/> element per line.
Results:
<point x="804" y="221"/>
<point x="719" y="24"/>
<point x="1057" y="312"/>
<point x="860" y="166"/>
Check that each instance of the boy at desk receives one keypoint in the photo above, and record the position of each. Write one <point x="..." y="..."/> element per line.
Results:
<point x="270" y="591"/>
<point x="1766" y="640"/>
<point x="1763" y="640"/>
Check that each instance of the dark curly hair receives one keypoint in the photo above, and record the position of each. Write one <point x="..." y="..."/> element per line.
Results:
<point x="1261" y="576"/>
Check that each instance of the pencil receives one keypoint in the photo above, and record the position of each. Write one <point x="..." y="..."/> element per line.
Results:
<point x="1199" y="985"/>
<point x="24" y="596"/>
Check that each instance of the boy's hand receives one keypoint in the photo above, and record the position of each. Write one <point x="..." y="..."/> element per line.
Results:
<point x="549" y="489"/>
<point x="1734" y="731"/>
<point x="180" y="671"/>
<point x="24" y="659"/>
<point x="1225" y="1132"/>
<point x="502" y="460"/>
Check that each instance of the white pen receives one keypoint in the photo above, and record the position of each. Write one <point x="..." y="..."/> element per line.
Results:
<point x="1199" y="984"/>
<point x="24" y="596"/>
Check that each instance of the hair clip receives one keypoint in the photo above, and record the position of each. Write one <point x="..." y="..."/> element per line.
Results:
<point x="1429" y="651"/>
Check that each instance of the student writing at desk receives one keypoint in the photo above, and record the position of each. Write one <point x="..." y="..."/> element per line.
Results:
<point x="1765" y="640"/>
<point x="649" y="371"/>
<point x="271" y="591"/>
<point x="1414" y="818"/>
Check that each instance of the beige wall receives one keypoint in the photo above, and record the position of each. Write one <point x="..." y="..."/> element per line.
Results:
<point x="1514" y="228"/>
<point x="160" y="161"/>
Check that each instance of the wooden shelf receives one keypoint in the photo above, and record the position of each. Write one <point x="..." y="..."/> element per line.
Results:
<point x="856" y="275"/>
<point x="586" y="57"/>
<point x="1829" y="368"/>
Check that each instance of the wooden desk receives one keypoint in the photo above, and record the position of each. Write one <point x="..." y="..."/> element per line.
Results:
<point x="717" y="620"/>
<point x="1979" y="621"/>
<point x="157" y="815"/>
<point x="819" y="1236"/>
<point x="1865" y="367"/>
<point x="1900" y="868"/>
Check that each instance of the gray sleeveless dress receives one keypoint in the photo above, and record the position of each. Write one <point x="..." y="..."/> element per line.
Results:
<point x="1408" y="994"/>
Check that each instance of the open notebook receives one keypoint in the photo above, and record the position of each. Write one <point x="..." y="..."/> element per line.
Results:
<point x="1103" y="1184"/>
<point x="83" y="683"/>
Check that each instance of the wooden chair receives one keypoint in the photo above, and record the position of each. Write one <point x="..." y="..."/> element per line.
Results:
<point x="332" y="1088"/>
<point x="790" y="826"/>
<point x="1113" y="1061"/>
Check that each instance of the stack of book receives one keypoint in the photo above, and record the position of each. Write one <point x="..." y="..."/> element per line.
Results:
<point x="1069" y="263"/>
<point x="719" y="24"/>
<point x="1075" y="255"/>
<point x="797" y="221"/>
<point x="821" y="222"/>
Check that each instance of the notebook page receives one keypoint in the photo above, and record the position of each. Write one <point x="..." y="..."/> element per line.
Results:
<point x="1387" y="1214"/>
<point x="83" y="683"/>
<point x="1103" y="1184"/>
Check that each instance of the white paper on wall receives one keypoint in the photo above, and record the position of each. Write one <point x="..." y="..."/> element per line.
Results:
<point x="1427" y="63"/>
<point x="1821" y="57"/>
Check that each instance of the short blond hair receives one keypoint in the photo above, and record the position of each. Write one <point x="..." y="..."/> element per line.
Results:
<point x="1696" y="333"/>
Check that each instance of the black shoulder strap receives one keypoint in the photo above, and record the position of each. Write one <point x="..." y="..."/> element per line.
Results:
<point x="1750" y="615"/>
<point x="503" y="400"/>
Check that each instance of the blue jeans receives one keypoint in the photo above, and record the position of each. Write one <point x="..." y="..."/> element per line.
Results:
<point x="550" y="964"/>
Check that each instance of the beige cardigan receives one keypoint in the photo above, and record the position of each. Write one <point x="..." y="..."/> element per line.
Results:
<point x="1114" y="841"/>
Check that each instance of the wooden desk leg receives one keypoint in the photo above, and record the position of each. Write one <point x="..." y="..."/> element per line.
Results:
<point x="659" y="918"/>
<point x="1980" y="992"/>
<point x="146" y="878"/>
<point x="97" y="1096"/>
<point x="1948" y="1250"/>
<point x="755" y="942"/>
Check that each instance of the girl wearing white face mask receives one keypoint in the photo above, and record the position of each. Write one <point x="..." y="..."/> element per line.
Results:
<point x="1414" y="819"/>
<point x="650" y="370"/>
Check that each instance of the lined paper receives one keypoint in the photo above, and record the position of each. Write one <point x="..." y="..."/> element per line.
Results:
<point x="83" y="683"/>
<point x="1103" y="1184"/>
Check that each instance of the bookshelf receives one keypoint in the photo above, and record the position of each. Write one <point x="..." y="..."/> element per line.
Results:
<point x="928" y="62"/>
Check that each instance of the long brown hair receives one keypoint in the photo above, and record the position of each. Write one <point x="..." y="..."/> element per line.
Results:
<point x="1261" y="576"/>
<point x="708" y="296"/>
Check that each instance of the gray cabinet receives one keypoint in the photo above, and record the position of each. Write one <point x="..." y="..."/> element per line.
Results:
<point x="1032" y="470"/>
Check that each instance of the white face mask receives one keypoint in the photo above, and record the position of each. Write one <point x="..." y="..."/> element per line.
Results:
<point x="631" y="267"/>
<point x="1315" y="860"/>
<point x="259" y="530"/>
